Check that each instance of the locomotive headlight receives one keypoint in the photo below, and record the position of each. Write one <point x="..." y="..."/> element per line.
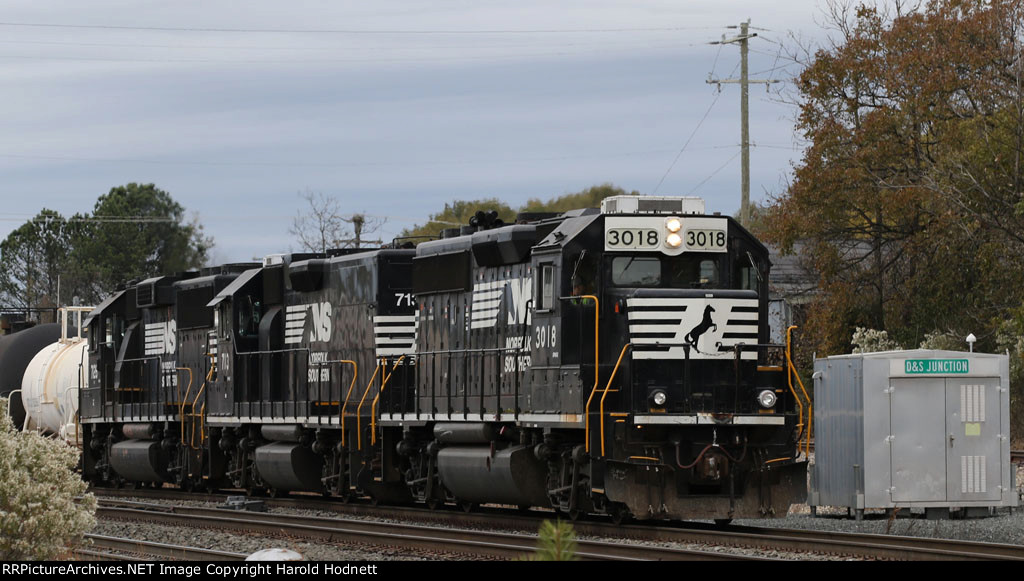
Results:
<point x="659" y="398"/>
<point x="673" y="224"/>
<point x="767" y="398"/>
<point x="674" y="240"/>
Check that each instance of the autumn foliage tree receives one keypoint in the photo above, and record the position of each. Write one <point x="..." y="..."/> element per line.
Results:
<point x="908" y="200"/>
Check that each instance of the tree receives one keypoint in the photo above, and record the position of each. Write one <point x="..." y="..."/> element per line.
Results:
<point x="325" y="226"/>
<point x="39" y="516"/>
<point x="901" y="200"/>
<point x="135" y="231"/>
<point x="588" y="198"/>
<point x="458" y="213"/>
<point x="32" y="259"/>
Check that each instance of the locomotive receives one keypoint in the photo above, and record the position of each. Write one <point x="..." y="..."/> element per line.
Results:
<point x="608" y="361"/>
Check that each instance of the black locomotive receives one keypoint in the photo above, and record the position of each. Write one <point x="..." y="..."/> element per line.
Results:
<point x="611" y="361"/>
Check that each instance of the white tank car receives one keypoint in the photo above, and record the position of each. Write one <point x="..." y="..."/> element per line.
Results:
<point x="53" y="378"/>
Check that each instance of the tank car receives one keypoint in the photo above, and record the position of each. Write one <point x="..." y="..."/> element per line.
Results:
<point x="16" y="352"/>
<point x="613" y="361"/>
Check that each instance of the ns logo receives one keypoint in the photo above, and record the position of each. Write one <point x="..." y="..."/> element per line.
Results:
<point x="295" y="322"/>
<point x="488" y="297"/>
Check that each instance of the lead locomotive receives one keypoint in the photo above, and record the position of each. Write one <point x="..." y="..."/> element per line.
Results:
<point x="613" y="361"/>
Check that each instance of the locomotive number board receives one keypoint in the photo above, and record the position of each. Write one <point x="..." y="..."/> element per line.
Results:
<point x="654" y="234"/>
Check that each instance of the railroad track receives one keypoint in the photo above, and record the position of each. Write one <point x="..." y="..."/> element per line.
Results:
<point x="474" y="543"/>
<point x="870" y="546"/>
<point x="115" y="548"/>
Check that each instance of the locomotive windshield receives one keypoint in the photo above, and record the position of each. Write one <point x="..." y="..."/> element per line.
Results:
<point x="684" y="271"/>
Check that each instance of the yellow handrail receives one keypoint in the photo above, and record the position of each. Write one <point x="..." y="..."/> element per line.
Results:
<point x="606" y="388"/>
<point x="791" y="372"/>
<point x="597" y="361"/>
<point x="355" y="374"/>
<point x="181" y="400"/>
<point x="202" y="412"/>
<point x="373" y="406"/>
<point x="359" y="410"/>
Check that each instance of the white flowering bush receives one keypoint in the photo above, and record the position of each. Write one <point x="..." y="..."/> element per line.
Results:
<point x="872" y="341"/>
<point x="944" y="341"/>
<point x="39" y="517"/>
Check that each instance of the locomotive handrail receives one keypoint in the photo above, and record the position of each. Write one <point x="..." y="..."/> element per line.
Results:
<point x="135" y="412"/>
<point x="202" y="411"/>
<point x="607" y="387"/>
<point x="359" y="435"/>
<point x="341" y="411"/>
<point x="373" y="406"/>
<point x="597" y="361"/>
<point x="181" y="400"/>
<point x="791" y="372"/>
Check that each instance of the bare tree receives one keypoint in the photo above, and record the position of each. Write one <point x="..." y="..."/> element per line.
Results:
<point x="325" y="226"/>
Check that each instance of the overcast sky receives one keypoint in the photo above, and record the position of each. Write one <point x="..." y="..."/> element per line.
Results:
<point x="395" y="107"/>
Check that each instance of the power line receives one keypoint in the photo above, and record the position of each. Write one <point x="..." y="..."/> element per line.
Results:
<point x="336" y="164"/>
<point x="714" y="173"/>
<point x="401" y="59"/>
<point x="354" y="30"/>
<point x="601" y="44"/>
<point x="688" y="140"/>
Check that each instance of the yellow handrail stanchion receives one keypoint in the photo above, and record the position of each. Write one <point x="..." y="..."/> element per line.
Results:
<point x="181" y="401"/>
<point x="790" y="373"/>
<point x="355" y="375"/>
<point x="373" y="406"/>
<point x="359" y="410"/>
<point x="606" y="388"/>
<point x="597" y="361"/>
<point x="202" y="412"/>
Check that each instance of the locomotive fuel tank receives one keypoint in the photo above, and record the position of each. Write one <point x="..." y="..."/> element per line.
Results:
<point x="480" y="474"/>
<point x="138" y="460"/>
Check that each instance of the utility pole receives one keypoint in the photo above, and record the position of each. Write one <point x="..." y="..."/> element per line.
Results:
<point x="744" y="81"/>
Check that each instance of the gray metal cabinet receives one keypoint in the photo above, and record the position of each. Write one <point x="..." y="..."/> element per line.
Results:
<point x="917" y="428"/>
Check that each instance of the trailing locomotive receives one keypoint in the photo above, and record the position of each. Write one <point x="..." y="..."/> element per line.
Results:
<point x="611" y="361"/>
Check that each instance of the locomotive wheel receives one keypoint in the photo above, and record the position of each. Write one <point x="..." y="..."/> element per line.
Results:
<point x="619" y="513"/>
<point x="434" y="504"/>
<point x="467" y="506"/>
<point x="574" y="514"/>
<point x="722" y="521"/>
